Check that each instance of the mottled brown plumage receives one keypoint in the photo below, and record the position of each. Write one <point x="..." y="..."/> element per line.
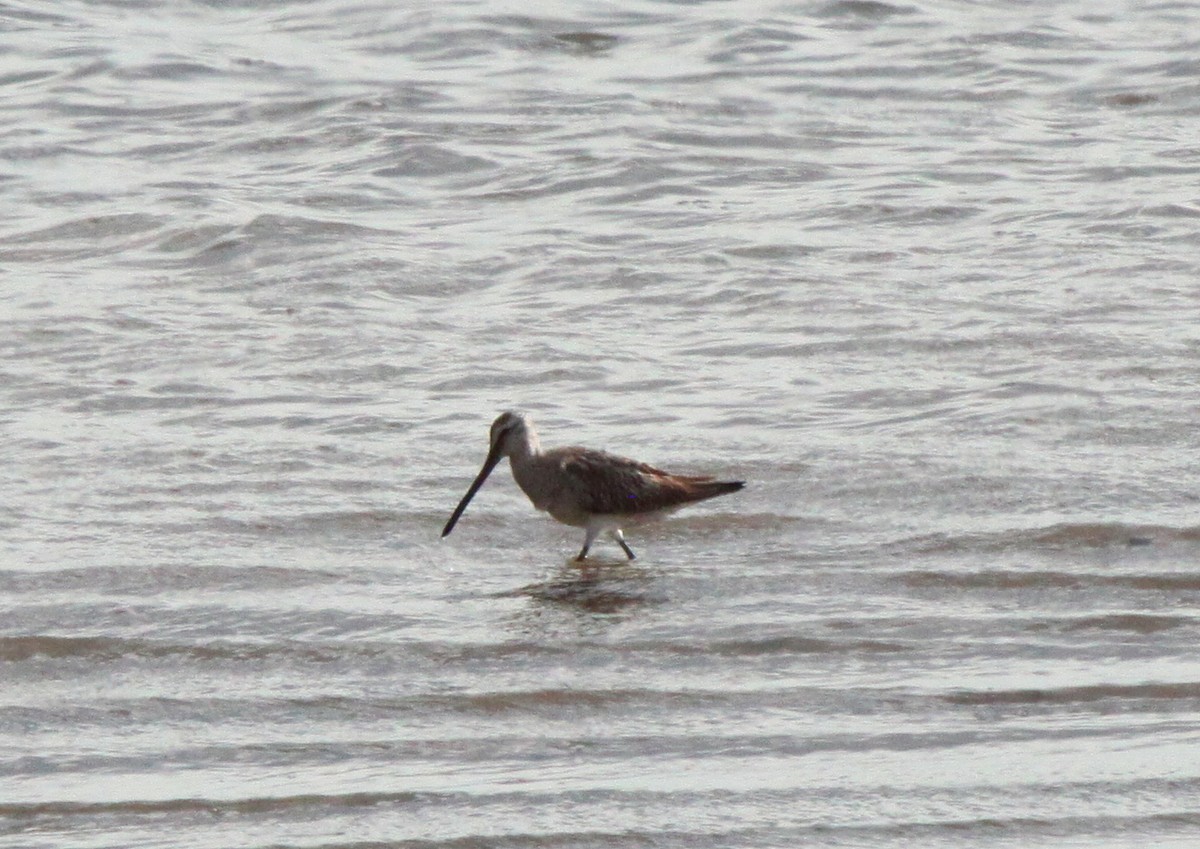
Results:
<point x="584" y="488"/>
<point x="607" y="484"/>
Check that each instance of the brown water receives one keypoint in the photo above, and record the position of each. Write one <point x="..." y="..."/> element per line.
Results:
<point x="925" y="275"/>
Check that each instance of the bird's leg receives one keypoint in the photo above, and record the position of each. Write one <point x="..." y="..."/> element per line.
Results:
<point x="620" y="538"/>
<point x="592" y="533"/>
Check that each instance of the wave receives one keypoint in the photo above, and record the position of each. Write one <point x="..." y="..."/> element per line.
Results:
<point x="1141" y="623"/>
<point x="1063" y="535"/>
<point x="1014" y="579"/>
<point x="163" y="578"/>
<point x="1072" y="695"/>
<point x="945" y="830"/>
<point x="103" y="649"/>
<point x="782" y="644"/>
<point x="266" y="804"/>
<point x="18" y="649"/>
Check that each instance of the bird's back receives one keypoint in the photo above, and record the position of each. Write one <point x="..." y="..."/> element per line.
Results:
<point x="606" y="484"/>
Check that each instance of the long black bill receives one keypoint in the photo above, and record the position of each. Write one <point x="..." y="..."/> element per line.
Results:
<point x="493" y="458"/>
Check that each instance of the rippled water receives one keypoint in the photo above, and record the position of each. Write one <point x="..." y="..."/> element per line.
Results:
<point x="924" y="274"/>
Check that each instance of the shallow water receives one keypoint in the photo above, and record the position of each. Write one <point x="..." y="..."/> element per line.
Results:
<point x="922" y="274"/>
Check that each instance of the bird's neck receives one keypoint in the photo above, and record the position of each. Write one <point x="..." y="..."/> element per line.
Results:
<point x="524" y="445"/>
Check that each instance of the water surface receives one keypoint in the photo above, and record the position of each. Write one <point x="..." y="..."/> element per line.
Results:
<point x="922" y="274"/>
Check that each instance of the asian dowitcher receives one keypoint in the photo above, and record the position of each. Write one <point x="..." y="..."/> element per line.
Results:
<point x="588" y="489"/>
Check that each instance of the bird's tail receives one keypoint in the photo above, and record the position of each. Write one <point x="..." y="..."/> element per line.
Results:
<point x="709" y="488"/>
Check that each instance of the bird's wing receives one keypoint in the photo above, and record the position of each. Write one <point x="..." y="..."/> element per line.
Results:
<point x="607" y="484"/>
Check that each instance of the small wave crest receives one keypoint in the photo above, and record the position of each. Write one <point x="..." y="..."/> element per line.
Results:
<point x="1061" y="536"/>
<point x="267" y="804"/>
<point x="106" y="649"/>
<point x="1072" y="695"/>
<point x="1014" y="579"/>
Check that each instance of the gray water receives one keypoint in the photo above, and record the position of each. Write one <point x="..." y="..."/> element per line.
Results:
<point x="923" y="274"/>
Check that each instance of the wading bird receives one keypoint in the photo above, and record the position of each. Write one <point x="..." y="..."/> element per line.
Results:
<point x="588" y="489"/>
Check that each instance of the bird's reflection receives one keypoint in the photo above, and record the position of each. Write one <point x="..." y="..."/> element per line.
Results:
<point x="597" y="587"/>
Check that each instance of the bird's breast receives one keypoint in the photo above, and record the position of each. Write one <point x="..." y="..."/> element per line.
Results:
<point x="542" y="481"/>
